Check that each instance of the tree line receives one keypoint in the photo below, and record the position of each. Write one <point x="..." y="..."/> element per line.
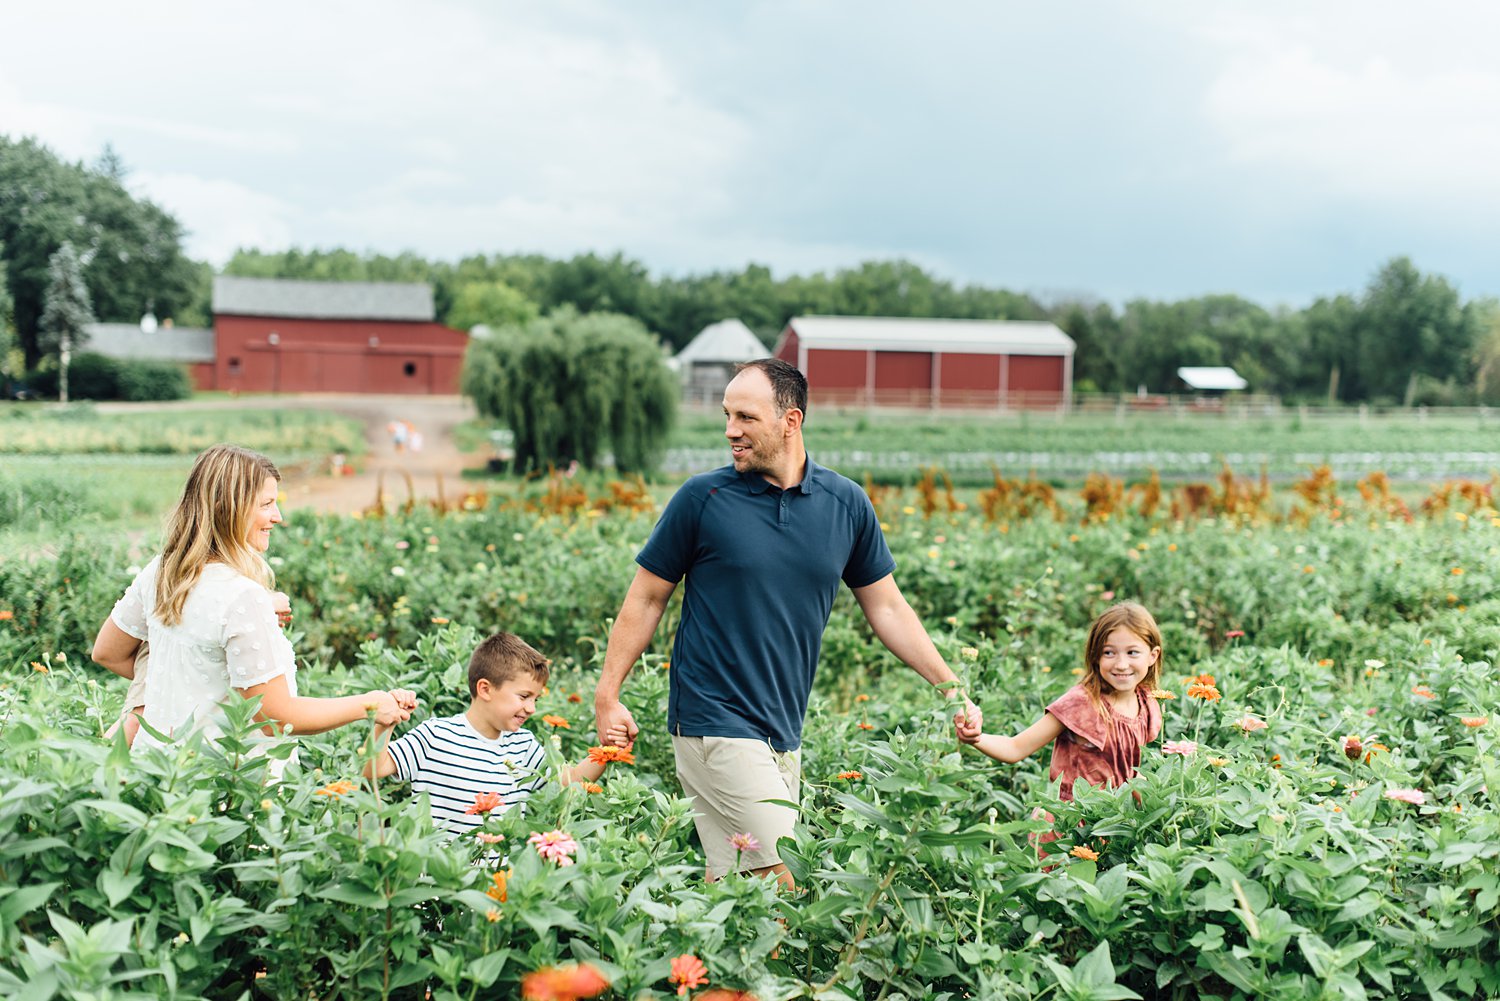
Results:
<point x="1406" y="338"/>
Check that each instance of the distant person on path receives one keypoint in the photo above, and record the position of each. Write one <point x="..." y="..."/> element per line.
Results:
<point x="763" y="545"/>
<point x="1098" y="727"/>
<point x="206" y="609"/>
<point x="399" y="430"/>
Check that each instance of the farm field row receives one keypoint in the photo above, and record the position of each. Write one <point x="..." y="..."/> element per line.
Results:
<point x="1348" y="848"/>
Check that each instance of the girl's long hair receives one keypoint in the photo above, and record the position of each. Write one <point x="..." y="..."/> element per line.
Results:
<point x="211" y="523"/>
<point x="1126" y="615"/>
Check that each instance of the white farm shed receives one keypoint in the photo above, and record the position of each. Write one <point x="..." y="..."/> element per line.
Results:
<point x="1212" y="379"/>
<point x="707" y="363"/>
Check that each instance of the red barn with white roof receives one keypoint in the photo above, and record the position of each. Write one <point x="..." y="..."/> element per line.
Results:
<point x="900" y="362"/>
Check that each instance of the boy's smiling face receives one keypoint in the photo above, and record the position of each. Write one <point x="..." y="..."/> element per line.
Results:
<point x="503" y="708"/>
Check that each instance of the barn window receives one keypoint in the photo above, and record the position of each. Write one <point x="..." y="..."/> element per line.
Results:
<point x="234" y="366"/>
<point x="410" y="368"/>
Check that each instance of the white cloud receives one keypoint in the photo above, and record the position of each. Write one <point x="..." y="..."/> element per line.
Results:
<point x="221" y="215"/>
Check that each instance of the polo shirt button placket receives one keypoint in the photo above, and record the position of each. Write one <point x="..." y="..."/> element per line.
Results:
<point x="782" y="518"/>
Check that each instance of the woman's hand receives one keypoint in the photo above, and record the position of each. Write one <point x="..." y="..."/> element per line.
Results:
<point x="405" y="699"/>
<point x="388" y="711"/>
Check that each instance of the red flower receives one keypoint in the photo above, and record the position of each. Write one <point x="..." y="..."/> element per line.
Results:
<point x="688" y="972"/>
<point x="1234" y="634"/>
<point x="563" y="983"/>
<point x="484" y="802"/>
<point x="866" y="726"/>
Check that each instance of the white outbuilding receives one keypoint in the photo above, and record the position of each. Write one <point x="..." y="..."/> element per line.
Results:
<point x="707" y="363"/>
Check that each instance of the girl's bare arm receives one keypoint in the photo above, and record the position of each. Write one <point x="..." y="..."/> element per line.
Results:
<point x="1024" y="744"/>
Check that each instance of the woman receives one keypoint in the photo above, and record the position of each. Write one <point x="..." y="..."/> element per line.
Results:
<point x="206" y="608"/>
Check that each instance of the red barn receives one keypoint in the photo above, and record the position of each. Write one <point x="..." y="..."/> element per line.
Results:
<point x="280" y="336"/>
<point x="898" y="362"/>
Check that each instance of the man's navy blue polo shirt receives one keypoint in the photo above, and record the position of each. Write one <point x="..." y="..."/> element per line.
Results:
<point x="762" y="566"/>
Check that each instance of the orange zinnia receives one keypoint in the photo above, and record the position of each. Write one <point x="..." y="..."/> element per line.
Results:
<point x="688" y="972"/>
<point x="557" y="721"/>
<point x="563" y="983"/>
<point x="484" y="802"/>
<point x="592" y="787"/>
<point x="1474" y="720"/>
<point x="1206" y="692"/>
<point x="497" y="891"/>
<point x="609" y="754"/>
<point x="851" y="775"/>
<point x="1162" y="695"/>
<point x="6" y="615"/>
<point x="1423" y="691"/>
<point x="866" y="726"/>
<point x="1084" y="852"/>
<point x="339" y="788"/>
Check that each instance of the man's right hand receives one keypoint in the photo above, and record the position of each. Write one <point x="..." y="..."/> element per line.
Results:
<point x="612" y="720"/>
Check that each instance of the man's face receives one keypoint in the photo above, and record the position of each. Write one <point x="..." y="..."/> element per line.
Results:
<point x="756" y="433"/>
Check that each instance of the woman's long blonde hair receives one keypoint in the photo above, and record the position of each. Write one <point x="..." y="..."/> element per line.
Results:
<point x="1126" y="615"/>
<point x="211" y="523"/>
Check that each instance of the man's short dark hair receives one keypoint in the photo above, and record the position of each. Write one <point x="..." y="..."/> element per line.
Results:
<point x="788" y="386"/>
<point x="504" y="657"/>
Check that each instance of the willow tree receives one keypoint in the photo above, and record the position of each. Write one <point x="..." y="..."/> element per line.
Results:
<point x="575" y="387"/>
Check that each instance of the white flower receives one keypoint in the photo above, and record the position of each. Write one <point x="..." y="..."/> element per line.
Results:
<point x="398" y="571"/>
<point x="1374" y="663"/>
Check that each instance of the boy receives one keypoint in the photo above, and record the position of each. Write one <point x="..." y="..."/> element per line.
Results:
<point x="482" y="751"/>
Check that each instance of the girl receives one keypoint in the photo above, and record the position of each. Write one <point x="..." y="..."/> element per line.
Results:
<point x="1098" y="727"/>
<point x="206" y="608"/>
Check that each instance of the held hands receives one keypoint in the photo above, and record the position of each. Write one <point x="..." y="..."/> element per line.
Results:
<point x="615" y="724"/>
<point x="392" y="707"/>
<point x="282" y="605"/>
<point x="969" y="724"/>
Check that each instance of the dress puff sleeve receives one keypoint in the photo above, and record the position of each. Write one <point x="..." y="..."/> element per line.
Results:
<point x="135" y="604"/>
<point x="1076" y="712"/>
<point x="255" y="650"/>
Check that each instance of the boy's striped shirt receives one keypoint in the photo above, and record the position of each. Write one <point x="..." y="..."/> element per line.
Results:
<point x="452" y="763"/>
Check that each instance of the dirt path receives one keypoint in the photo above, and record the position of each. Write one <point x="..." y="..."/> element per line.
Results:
<point x="426" y="474"/>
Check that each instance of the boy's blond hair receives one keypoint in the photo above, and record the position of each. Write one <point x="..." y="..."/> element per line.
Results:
<point x="504" y="657"/>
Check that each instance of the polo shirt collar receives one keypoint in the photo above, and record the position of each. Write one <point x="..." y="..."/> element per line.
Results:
<point x="758" y="484"/>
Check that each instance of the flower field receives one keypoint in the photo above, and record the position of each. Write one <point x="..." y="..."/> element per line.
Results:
<point x="1317" y="822"/>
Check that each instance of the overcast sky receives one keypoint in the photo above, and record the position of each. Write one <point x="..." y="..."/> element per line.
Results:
<point x="1279" y="150"/>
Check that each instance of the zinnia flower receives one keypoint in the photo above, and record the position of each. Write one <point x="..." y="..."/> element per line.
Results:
<point x="1183" y="747"/>
<point x="866" y="726"/>
<point x="1423" y="691"/>
<point x="1162" y="695"/>
<point x="610" y="754"/>
<point x="497" y="889"/>
<point x="688" y="972"/>
<point x="861" y="697"/>
<point x="556" y="721"/>
<point x="851" y="776"/>
<point x="1250" y="724"/>
<point x="563" y="983"/>
<point x="1218" y="762"/>
<point x="1084" y="852"/>
<point x="554" y="846"/>
<point x="725" y="994"/>
<point x="1414" y="796"/>
<point x="1234" y="634"/>
<point x="339" y="788"/>
<point x="1353" y="747"/>
<point x="6" y="615"/>
<point x="575" y="697"/>
<point x="746" y="842"/>
<point x="1208" y="693"/>
<point x="484" y="802"/>
<point x="1474" y="721"/>
<point x="592" y="787"/>
<point x="486" y="838"/>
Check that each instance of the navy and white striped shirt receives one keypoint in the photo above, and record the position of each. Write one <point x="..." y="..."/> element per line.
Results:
<point x="452" y="763"/>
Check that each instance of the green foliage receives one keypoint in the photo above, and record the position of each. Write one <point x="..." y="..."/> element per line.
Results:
<point x="28" y="430"/>
<point x="492" y="304"/>
<point x="133" y="248"/>
<point x="571" y="386"/>
<point x="1269" y="863"/>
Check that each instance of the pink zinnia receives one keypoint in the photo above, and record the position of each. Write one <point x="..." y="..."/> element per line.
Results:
<point x="554" y="846"/>
<point x="1234" y="634"/>
<point x="1250" y="724"/>
<point x="1416" y="797"/>
<point x="1183" y="747"/>
<point x="746" y="842"/>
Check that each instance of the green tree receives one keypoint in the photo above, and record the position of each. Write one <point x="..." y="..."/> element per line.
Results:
<point x="570" y="386"/>
<point x="66" y="313"/>
<point x="493" y="304"/>
<point x="1412" y="325"/>
<point x="132" y="247"/>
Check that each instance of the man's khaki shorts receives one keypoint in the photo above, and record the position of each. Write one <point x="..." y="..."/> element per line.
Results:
<point x="135" y="695"/>
<point x="727" y="779"/>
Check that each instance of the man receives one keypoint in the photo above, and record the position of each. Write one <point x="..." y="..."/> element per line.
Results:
<point x="763" y="544"/>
